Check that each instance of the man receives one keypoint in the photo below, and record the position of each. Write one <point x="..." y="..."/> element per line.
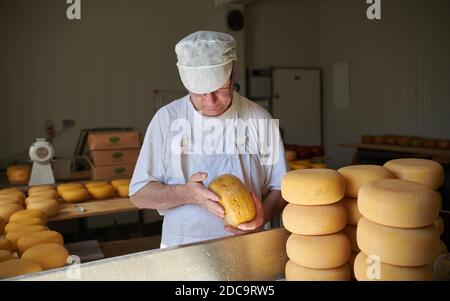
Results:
<point x="210" y="132"/>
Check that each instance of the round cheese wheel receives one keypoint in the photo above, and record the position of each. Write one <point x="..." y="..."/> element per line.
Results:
<point x="397" y="246"/>
<point x="27" y="213"/>
<point x="123" y="190"/>
<point x="11" y="189"/>
<point x="350" y="231"/>
<point x="118" y="182"/>
<point x="75" y="195"/>
<point x="49" y="207"/>
<point x="370" y="269"/>
<point x="7" y="245"/>
<point x="13" y="194"/>
<point x="312" y="186"/>
<point x="399" y="203"/>
<point x="5" y="255"/>
<point x="2" y="225"/>
<point x="351" y="263"/>
<point x="68" y="186"/>
<point x="357" y="175"/>
<point x="40" y="188"/>
<point x="48" y="194"/>
<point x="318" y="252"/>
<point x="24" y="222"/>
<point x="11" y="200"/>
<point x="95" y="183"/>
<point x="351" y="208"/>
<point x="48" y="256"/>
<point x="18" y="266"/>
<point x="439" y="223"/>
<point x="101" y="192"/>
<point x="290" y="155"/>
<point x="36" y="238"/>
<point x="314" y="220"/>
<point x="422" y="171"/>
<point x="7" y="210"/>
<point x="37" y="198"/>
<point x="14" y="236"/>
<point x="295" y="272"/>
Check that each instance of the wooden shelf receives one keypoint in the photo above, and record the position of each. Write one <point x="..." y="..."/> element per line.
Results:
<point x="401" y="149"/>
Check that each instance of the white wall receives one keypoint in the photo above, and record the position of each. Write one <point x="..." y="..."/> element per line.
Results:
<point x="101" y="70"/>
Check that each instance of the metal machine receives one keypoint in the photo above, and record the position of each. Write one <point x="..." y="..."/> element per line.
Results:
<point x="41" y="153"/>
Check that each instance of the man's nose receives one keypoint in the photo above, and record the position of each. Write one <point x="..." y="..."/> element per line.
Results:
<point x="209" y="98"/>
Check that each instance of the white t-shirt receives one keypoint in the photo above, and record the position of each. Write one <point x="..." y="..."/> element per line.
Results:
<point x="216" y="145"/>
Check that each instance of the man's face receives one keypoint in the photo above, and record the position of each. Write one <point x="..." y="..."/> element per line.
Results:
<point x="214" y="103"/>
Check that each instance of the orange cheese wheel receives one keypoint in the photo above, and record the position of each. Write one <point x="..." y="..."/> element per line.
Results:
<point x="75" y="195"/>
<point x="312" y="186"/>
<point x="48" y="255"/>
<point x="7" y="245"/>
<point x="314" y="220"/>
<point x="399" y="203"/>
<point x="4" y="200"/>
<point x="5" y="255"/>
<point x="68" y="186"/>
<point x="17" y="267"/>
<point x="36" y="238"/>
<point x="7" y="210"/>
<point x="48" y="194"/>
<point x="24" y="222"/>
<point x="27" y="213"/>
<point x="100" y="192"/>
<point x="397" y="246"/>
<point x="319" y="252"/>
<point x="49" y="207"/>
<point x="95" y="183"/>
<point x="123" y="190"/>
<point x="14" y="236"/>
<point x="357" y="175"/>
<point x="118" y="182"/>
<point x="423" y="171"/>
<point x="370" y="269"/>
<point x="294" y="272"/>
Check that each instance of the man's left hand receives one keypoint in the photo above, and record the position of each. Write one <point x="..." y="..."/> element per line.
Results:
<point x="256" y="224"/>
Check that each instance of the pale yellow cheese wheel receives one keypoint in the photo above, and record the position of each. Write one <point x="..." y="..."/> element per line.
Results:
<point x="48" y="194"/>
<point x="14" y="236"/>
<point x="7" y="245"/>
<point x="295" y="272"/>
<point x="24" y="222"/>
<point x="11" y="189"/>
<point x="439" y="223"/>
<point x="118" y="182"/>
<point x="11" y="200"/>
<point x="399" y="203"/>
<point x="39" y="188"/>
<point x="100" y="192"/>
<point x="49" y="207"/>
<point x="319" y="252"/>
<point x="27" y="213"/>
<point x="427" y="172"/>
<point x="123" y="190"/>
<point x="75" y="195"/>
<point x="357" y="175"/>
<point x="5" y="255"/>
<point x="351" y="208"/>
<point x="2" y="225"/>
<point x="36" y="238"/>
<point x="312" y="186"/>
<point x="17" y="267"/>
<point x="95" y="183"/>
<point x="370" y="269"/>
<point x="350" y="231"/>
<point x="13" y="194"/>
<point x="314" y="220"/>
<point x="397" y="246"/>
<point x="48" y="255"/>
<point x="351" y="263"/>
<point x="68" y="186"/>
<point x="7" y="210"/>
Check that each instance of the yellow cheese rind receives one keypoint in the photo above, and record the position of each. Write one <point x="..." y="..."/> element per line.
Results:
<point x="75" y="195"/>
<point x="294" y="272"/>
<point x="397" y="246"/>
<point x="40" y="237"/>
<point x="399" y="203"/>
<point x="312" y="186"/>
<point x="27" y="213"/>
<point x="370" y="269"/>
<point x="319" y="252"/>
<point x="423" y="171"/>
<point x="17" y="267"/>
<point x="14" y="236"/>
<point x="352" y="211"/>
<point x="24" y="222"/>
<point x="357" y="175"/>
<point x="7" y="245"/>
<point x="48" y="255"/>
<point x="118" y="182"/>
<point x="49" y="207"/>
<point x="5" y="255"/>
<point x="100" y="192"/>
<point x="123" y="190"/>
<point x="7" y="210"/>
<point x="314" y="220"/>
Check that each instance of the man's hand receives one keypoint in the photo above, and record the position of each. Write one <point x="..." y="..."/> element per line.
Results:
<point x="197" y="192"/>
<point x="256" y="224"/>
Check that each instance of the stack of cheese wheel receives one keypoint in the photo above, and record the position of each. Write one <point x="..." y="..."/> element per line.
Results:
<point x="100" y="190"/>
<point x="427" y="172"/>
<point x="121" y="186"/>
<point x="396" y="234"/>
<point x="73" y="192"/>
<point x="317" y="248"/>
<point x="44" y="198"/>
<point x="355" y="177"/>
<point x="11" y="200"/>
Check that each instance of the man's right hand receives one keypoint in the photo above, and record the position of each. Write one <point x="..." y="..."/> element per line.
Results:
<point x="199" y="194"/>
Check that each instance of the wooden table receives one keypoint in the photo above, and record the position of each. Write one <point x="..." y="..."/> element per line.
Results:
<point x="93" y="208"/>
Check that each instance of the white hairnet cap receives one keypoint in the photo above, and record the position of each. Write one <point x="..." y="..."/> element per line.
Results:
<point x="205" y="60"/>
